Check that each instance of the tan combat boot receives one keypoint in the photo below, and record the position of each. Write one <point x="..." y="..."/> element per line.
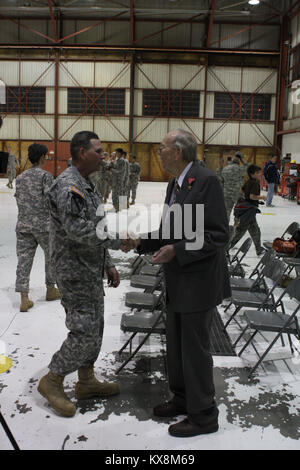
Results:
<point x="52" y="293"/>
<point x="51" y="388"/>
<point x="26" y="303"/>
<point x="132" y="202"/>
<point x="89" y="387"/>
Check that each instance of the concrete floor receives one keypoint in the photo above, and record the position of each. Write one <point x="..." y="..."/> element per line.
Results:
<point x="259" y="414"/>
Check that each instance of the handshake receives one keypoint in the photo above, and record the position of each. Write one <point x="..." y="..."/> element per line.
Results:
<point x="129" y="243"/>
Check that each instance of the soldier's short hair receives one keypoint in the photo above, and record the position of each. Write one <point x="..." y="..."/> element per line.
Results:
<point x="187" y="143"/>
<point x="124" y="153"/>
<point x="253" y="169"/>
<point x="120" y="150"/>
<point x="36" y="151"/>
<point x="81" y="139"/>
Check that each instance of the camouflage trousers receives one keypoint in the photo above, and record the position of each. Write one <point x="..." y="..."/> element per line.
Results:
<point x="27" y="243"/>
<point x="132" y="188"/>
<point x="230" y="202"/>
<point x="11" y="174"/>
<point x="107" y="191"/>
<point x="254" y="232"/>
<point x="84" y="306"/>
<point x="117" y="192"/>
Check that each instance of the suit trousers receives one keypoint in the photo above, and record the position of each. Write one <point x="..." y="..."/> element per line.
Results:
<point x="189" y="362"/>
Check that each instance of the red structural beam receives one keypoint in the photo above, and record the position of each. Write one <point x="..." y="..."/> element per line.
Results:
<point x="211" y="22"/>
<point x="132" y="22"/>
<point x="27" y="27"/>
<point x="293" y="7"/>
<point x="53" y="20"/>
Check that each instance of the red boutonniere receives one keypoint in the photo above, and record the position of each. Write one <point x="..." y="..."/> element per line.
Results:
<point x="190" y="182"/>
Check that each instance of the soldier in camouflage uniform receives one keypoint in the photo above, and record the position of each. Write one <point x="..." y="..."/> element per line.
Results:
<point x="98" y="177"/>
<point x="109" y="176"/>
<point x="11" y="167"/>
<point x="233" y="177"/>
<point x="219" y="171"/>
<point x="32" y="229"/>
<point x="126" y="177"/>
<point x="134" y="176"/>
<point x="118" y="171"/>
<point x="79" y="249"/>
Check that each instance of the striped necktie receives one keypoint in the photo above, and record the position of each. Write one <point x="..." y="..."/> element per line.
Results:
<point x="175" y="192"/>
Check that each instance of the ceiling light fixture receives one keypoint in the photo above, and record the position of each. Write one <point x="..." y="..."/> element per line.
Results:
<point x="254" y="2"/>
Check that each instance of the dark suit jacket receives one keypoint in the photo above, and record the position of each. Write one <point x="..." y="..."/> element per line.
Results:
<point x="196" y="280"/>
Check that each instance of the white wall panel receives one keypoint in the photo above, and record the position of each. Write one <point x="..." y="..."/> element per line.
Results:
<point x="9" y="72"/>
<point x="62" y="101"/>
<point x="155" y="132"/>
<point x="181" y="75"/>
<point x="257" y="135"/>
<point x="37" y="73"/>
<point x="38" y="128"/>
<point x="290" y="144"/>
<point x="210" y="103"/>
<point x="10" y="128"/>
<point x="158" y="74"/>
<point x="194" y="126"/>
<point x="229" y="76"/>
<point x="254" y="78"/>
<point x="107" y="129"/>
<point x="82" y="72"/>
<point x="273" y="108"/>
<point x="227" y="135"/>
<point x="113" y="74"/>
<point x="66" y="132"/>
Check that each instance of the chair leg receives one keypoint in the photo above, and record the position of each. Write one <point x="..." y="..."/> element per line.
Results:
<point x="247" y="343"/>
<point x="127" y="342"/>
<point x="225" y="310"/>
<point x="232" y="316"/>
<point x="264" y="354"/>
<point x="242" y="334"/>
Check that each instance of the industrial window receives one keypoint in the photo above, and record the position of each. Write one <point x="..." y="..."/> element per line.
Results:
<point x="256" y="106"/>
<point x="96" y="101"/>
<point x="171" y="103"/>
<point x="24" y="100"/>
<point x="296" y="62"/>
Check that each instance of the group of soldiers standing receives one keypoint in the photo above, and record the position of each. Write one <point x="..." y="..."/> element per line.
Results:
<point x="119" y="177"/>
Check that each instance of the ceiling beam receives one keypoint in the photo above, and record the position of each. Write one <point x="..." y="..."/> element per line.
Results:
<point x="211" y="22"/>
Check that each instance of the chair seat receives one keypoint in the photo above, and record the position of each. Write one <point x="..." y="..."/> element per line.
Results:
<point x="249" y="299"/>
<point x="142" y="322"/>
<point x="269" y="321"/>
<point x="236" y="270"/>
<point x="150" y="270"/>
<point x="292" y="261"/>
<point x="241" y="284"/>
<point x="141" y="300"/>
<point x="143" y="281"/>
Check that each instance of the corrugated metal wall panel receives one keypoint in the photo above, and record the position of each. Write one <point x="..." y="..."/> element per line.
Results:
<point x="210" y="103"/>
<point x="198" y="34"/>
<point x="257" y="135"/>
<point x="239" y="41"/>
<point x="138" y="102"/>
<point x="29" y="37"/>
<point x="217" y="135"/>
<point x="144" y="29"/>
<point x="117" y="33"/>
<point x="229" y="76"/>
<point x="172" y="35"/>
<point x="215" y="35"/>
<point x="273" y="108"/>
<point x="254" y="78"/>
<point x="298" y="30"/>
<point x="10" y="128"/>
<point x="81" y="72"/>
<point x="292" y="124"/>
<point x="290" y="144"/>
<point x="30" y="129"/>
<point x="9" y="72"/>
<point x="114" y="74"/>
<point x="37" y="73"/>
<point x="265" y="37"/>
<point x="108" y="129"/>
<point x="93" y="35"/>
<point x="69" y="28"/>
<point x="182" y="75"/>
<point x="63" y="101"/>
<point x="8" y="32"/>
<point x="66" y="132"/>
<point x="155" y="132"/>
<point x="157" y="73"/>
<point x="190" y="125"/>
<point x="50" y="100"/>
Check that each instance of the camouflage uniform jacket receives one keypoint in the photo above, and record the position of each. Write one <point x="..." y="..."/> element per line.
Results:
<point x="118" y="171"/>
<point x="233" y="177"/>
<point x="12" y="162"/>
<point x="32" y="188"/>
<point x="135" y="170"/>
<point x="76" y="250"/>
<point x="126" y="173"/>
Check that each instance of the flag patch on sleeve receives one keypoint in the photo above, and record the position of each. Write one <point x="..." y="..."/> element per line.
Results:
<point x="76" y="191"/>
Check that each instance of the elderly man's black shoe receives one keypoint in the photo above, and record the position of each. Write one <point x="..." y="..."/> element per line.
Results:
<point x="187" y="429"/>
<point x="168" y="409"/>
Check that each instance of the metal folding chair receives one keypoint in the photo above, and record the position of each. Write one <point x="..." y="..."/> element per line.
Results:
<point x="237" y="269"/>
<point x="254" y="281"/>
<point x="288" y="231"/>
<point x="277" y="322"/>
<point x="274" y="272"/>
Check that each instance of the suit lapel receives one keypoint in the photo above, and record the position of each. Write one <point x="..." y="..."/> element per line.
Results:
<point x="184" y="190"/>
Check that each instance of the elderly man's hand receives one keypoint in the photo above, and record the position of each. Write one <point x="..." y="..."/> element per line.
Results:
<point x="129" y="244"/>
<point x="164" y="255"/>
<point x="113" y="278"/>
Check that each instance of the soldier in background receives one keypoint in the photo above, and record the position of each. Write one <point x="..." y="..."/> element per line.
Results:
<point x="134" y="177"/>
<point x="233" y="180"/>
<point x="32" y="229"/>
<point x="79" y="249"/>
<point x="12" y="163"/>
<point x="219" y="170"/>
<point x="109" y="176"/>
<point x="118" y="171"/>
<point x="98" y="178"/>
<point x="126" y="177"/>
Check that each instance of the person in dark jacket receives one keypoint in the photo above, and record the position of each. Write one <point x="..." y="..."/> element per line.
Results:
<point x="272" y="177"/>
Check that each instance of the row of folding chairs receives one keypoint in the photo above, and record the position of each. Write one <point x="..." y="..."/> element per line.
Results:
<point x="147" y="308"/>
<point x="268" y="312"/>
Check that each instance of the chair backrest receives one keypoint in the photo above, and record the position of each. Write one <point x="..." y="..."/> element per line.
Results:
<point x="293" y="289"/>
<point x="265" y="259"/>
<point x="274" y="270"/>
<point x="298" y="270"/>
<point x="244" y="248"/>
<point x="291" y="228"/>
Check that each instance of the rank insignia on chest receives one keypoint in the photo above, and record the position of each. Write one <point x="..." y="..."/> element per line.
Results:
<point x="76" y="191"/>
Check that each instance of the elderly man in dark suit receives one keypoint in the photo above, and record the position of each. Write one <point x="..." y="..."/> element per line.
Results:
<point x="196" y="282"/>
